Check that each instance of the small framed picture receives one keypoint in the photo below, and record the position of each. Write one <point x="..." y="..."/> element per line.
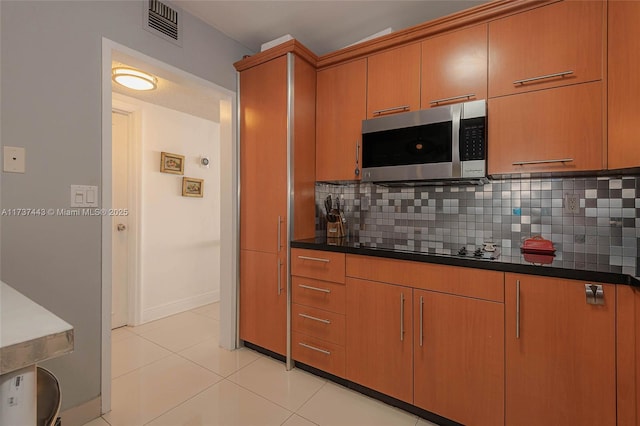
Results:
<point x="192" y="187"/>
<point x="171" y="163"/>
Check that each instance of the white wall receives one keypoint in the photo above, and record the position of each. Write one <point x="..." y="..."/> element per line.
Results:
<point x="50" y="81"/>
<point x="180" y="236"/>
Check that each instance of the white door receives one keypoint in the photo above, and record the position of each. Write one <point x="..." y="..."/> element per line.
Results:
<point x="120" y="225"/>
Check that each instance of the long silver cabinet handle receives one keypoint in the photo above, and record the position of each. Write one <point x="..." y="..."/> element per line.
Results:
<point x="313" y="348"/>
<point x="324" y="321"/>
<point x="279" y="277"/>
<point x="517" y="309"/>
<point x="314" y="259"/>
<point x="542" y="77"/>
<point x="560" y="160"/>
<point x="308" y="287"/>
<point x="397" y="108"/>
<point x="453" y="98"/>
<point x="401" y="317"/>
<point x="279" y="232"/>
<point x="421" y="319"/>
<point x="357" y="169"/>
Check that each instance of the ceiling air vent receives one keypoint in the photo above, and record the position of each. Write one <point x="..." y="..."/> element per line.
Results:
<point x="163" y="20"/>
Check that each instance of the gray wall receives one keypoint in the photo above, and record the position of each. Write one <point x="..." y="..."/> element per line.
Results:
<point x="50" y="80"/>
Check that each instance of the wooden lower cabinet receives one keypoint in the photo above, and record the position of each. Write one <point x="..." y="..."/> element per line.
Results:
<point x="459" y="357"/>
<point x="628" y="355"/>
<point x="379" y="343"/>
<point x="263" y="317"/>
<point x="560" y="353"/>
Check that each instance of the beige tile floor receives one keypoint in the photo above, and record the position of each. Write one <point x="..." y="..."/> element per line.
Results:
<point x="171" y="372"/>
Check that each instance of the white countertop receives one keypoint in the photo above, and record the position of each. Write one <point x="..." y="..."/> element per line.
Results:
<point x="28" y="332"/>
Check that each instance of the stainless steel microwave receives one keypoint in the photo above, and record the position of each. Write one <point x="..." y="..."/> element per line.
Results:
<point x="445" y="143"/>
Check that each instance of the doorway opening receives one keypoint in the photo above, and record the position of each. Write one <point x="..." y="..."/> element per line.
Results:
<point x="157" y="211"/>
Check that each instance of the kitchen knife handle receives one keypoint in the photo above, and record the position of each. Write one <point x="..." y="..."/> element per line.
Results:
<point x="517" y="309"/>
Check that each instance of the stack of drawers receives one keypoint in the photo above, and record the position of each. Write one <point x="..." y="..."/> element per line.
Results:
<point x="318" y="310"/>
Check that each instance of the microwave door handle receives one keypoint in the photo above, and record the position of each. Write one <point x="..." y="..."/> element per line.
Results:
<point x="456" y="115"/>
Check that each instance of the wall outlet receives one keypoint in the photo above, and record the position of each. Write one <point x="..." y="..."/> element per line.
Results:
<point x="571" y="203"/>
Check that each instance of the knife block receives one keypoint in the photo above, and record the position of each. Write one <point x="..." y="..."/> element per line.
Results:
<point x="335" y="229"/>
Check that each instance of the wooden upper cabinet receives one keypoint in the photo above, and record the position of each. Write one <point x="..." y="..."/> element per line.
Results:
<point x="341" y="107"/>
<point x="533" y="50"/>
<point x="263" y="153"/>
<point x="560" y="353"/>
<point x="393" y="81"/>
<point x="454" y="67"/>
<point x="624" y="83"/>
<point x="534" y="131"/>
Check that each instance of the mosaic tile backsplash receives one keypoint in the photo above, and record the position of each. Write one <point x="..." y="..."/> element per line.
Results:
<point x="604" y="234"/>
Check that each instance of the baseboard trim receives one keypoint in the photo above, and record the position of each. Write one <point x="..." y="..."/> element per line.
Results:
<point x="178" y="306"/>
<point x="82" y="414"/>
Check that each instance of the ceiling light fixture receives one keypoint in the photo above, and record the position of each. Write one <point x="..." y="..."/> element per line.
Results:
<point x="134" y="79"/>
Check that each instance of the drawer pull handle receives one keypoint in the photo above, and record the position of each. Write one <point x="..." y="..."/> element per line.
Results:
<point x="453" y="98"/>
<point x="542" y="77"/>
<point x="314" y="259"/>
<point x="561" y="160"/>
<point x="324" y="321"/>
<point x="308" y="287"/>
<point x="398" y="108"/>
<point x="313" y="348"/>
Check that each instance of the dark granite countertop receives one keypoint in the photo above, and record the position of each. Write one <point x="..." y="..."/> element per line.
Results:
<point x="504" y="261"/>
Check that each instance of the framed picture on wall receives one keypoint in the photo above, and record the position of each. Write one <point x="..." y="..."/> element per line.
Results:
<point x="192" y="187"/>
<point x="171" y="163"/>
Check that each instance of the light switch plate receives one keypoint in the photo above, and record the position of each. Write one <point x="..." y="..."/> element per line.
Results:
<point x="14" y="159"/>
<point x="84" y="196"/>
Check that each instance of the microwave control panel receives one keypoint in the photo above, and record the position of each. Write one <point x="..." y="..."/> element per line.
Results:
<point x="472" y="139"/>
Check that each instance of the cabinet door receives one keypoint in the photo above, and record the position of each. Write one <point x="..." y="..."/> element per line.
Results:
<point x="393" y="81"/>
<point x="628" y="354"/>
<point x="341" y="107"/>
<point x="560" y="353"/>
<point x="454" y="67"/>
<point x="532" y="132"/>
<point x="564" y="37"/>
<point x="459" y="357"/>
<point x="263" y="156"/>
<point x="263" y="300"/>
<point x="624" y="84"/>
<point x="379" y="347"/>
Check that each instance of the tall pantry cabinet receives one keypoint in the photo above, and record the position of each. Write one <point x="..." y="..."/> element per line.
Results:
<point x="277" y="177"/>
